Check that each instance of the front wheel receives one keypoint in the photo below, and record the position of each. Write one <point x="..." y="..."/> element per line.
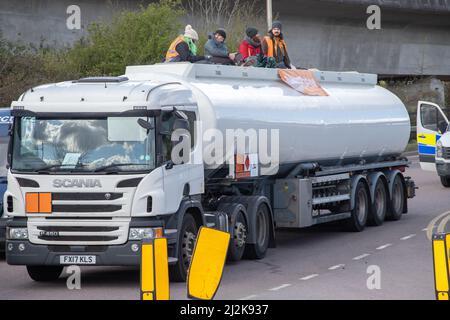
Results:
<point x="44" y="273"/>
<point x="186" y="243"/>
<point x="445" y="181"/>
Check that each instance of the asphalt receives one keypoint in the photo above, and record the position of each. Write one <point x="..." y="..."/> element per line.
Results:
<point x="322" y="262"/>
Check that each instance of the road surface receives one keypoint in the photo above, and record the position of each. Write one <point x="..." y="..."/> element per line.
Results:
<point x="322" y="262"/>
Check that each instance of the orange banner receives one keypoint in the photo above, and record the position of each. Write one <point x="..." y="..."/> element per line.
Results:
<point x="303" y="81"/>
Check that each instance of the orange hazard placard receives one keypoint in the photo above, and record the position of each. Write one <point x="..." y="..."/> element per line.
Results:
<point x="303" y="81"/>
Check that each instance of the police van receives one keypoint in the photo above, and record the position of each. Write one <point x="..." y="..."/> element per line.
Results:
<point x="5" y="122"/>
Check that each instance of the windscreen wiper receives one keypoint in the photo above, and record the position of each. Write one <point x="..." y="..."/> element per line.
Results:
<point x="116" y="165"/>
<point x="48" y="168"/>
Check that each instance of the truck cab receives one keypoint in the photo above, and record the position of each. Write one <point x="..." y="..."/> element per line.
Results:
<point x="5" y="123"/>
<point x="433" y="140"/>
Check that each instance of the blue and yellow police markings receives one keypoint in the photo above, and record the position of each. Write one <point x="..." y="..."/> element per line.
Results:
<point x="427" y="145"/>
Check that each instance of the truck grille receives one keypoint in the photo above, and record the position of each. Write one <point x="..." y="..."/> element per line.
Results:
<point x="446" y="153"/>
<point x="78" y="231"/>
<point x="94" y="202"/>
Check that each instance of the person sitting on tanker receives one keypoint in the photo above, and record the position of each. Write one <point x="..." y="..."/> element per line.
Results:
<point x="274" y="47"/>
<point x="184" y="48"/>
<point x="217" y="50"/>
<point x="250" y="47"/>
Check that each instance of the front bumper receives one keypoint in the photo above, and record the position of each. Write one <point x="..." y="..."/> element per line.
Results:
<point x="106" y="255"/>
<point x="2" y="234"/>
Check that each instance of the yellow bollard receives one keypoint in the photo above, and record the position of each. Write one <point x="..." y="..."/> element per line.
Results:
<point x="441" y="265"/>
<point x="154" y="270"/>
<point x="207" y="264"/>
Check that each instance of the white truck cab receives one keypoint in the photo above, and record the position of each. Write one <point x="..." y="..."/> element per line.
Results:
<point x="433" y="140"/>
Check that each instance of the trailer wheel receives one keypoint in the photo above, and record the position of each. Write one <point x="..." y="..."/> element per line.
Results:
<point x="186" y="243"/>
<point x="445" y="181"/>
<point x="44" y="273"/>
<point x="397" y="201"/>
<point x="238" y="237"/>
<point x="360" y="213"/>
<point x="379" y="206"/>
<point x="259" y="249"/>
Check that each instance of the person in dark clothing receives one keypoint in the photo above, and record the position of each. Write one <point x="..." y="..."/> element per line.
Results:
<point x="184" y="48"/>
<point x="274" y="46"/>
<point x="217" y="49"/>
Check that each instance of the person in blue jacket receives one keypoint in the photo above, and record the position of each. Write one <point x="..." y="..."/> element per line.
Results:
<point x="217" y="49"/>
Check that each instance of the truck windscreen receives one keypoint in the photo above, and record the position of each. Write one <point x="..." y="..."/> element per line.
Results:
<point x="83" y="145"/>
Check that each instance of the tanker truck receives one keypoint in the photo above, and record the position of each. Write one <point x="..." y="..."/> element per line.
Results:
<point x="92" y="169"/>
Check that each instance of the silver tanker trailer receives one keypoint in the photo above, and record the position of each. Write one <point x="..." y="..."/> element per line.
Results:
<point x="95" y="163"/>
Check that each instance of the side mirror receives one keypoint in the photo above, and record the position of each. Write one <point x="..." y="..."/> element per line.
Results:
<point x="145" y="124"/>
<point x="442" y="127"/>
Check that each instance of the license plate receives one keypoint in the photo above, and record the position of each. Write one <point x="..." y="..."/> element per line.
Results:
<point x="77" y="260"/>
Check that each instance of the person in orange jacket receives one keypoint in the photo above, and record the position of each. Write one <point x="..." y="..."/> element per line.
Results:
<point x="274" y="46"/>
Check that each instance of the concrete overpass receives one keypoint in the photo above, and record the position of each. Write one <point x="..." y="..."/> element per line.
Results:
<point x="332" y="34"/>
<point x="327" y="34"/>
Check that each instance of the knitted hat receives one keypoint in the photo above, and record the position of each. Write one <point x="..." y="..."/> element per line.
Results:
<point x="251" y="32"/>
<point x="222" y="32"/>
<point x="277" y="25"/>
<point x="190" y="33"/>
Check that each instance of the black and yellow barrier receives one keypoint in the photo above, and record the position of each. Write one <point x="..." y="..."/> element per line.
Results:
<point x="441" y="247"/>
<point x="154" y="270"/>
<point x="207" y="264"/>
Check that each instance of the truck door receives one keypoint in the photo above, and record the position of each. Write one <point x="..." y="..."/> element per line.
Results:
<point x="431" y="125"/>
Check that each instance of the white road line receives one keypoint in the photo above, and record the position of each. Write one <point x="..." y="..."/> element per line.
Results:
<point x="249" y="297"/>
<point x="384" y="246"/>
<point x="408" y="237"/>
<point x="281" y="287"/>
<point x="309" y="277"/>
<point x="425" y="229"/>
<point x="361" y="256"/>
<point x="338" y="266"/>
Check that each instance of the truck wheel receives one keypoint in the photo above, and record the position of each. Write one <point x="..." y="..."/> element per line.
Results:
<point x="262" y="229"/>
<point x="238" y="238"/>
<point x="186" y="243"/>
<point x="44" y="273"/>
<point x="378" y="208"/>
<point x="397" y="201"/>
<point x="360" y="213"/>
<point x="445" y="181"/>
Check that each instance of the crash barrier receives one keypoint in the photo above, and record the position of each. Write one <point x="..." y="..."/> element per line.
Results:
<point x="208" y="261"/>
<point x="441" y="255"/>
<point x="155" y="270"/>
<point x="205" y="270"/>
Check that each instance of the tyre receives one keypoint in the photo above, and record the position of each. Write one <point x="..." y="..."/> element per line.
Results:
<point x="186" y="242"/>
<point x="238" y="229"/>
<point x="44" y="273"/>
<point x="397" y="201"/>
<point x="360" y="213"/>
<point x="379" y="204"/>
<point x="262" y="229"/>
<point x="445" y="181"/>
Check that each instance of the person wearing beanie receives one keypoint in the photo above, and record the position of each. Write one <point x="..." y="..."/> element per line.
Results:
<point x="274" y="47"/>
<point x="184" y="48"/>
<point x="250" y="47"/>
<point x="217" y="49"/>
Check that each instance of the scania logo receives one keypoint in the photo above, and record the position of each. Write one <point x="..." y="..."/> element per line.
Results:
<point x="77" y="183"/>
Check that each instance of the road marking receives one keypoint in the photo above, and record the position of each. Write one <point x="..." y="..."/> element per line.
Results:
<point x="433" y="222"/>
<point x="408" y="237"/>
<point x="281" y="287"/>
<point x="425" y="229"/>
<point x="387" y="245"/>
<point x="338" y="266"/>
<point x="361" y="256"/>
<point x="309" y="277"/>
<point x="249" y="297"/>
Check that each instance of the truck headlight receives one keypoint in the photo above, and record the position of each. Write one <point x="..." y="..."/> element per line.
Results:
<point x="439" y="150"/>
<point x="145" y="233"/>
<point x="17" y="234"/>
